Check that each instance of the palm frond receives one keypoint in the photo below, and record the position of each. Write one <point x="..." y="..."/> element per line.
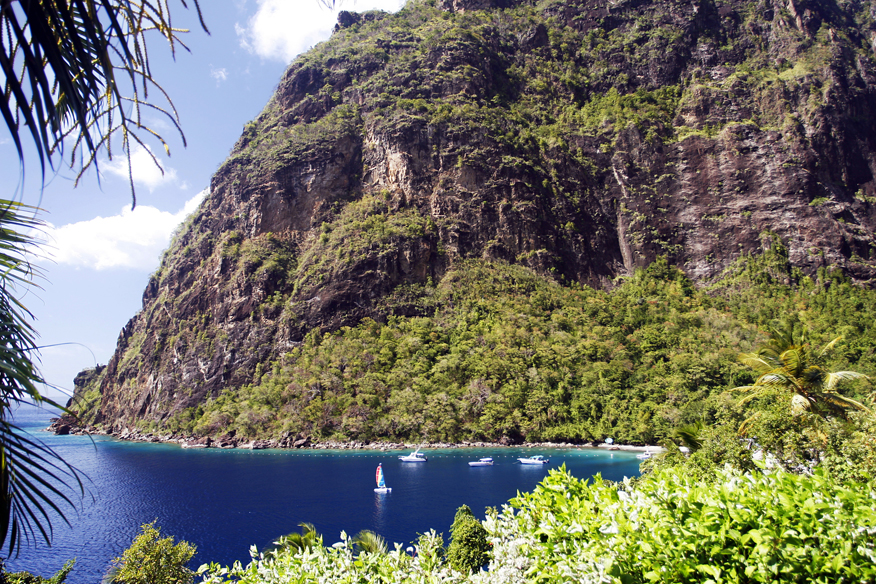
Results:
<point x="794" y="360"/>
<point x="778" y="380"/>
<point x="746" y="424"/>
<point x="845" y="402"/>
<point x="689" y="435"/>
<point x="758" y="392"/>
<point x="756" y="361"/>
<point x="370" y="542"/>
<point x="829" y="346"/>
<point x="306" y="539"/>
<point x="813" y="388"/>
<point x="309" y="530"/>
<point x="813" y="376"/>
<point x="782" y="338"/>
<point x="81" y="63"/>
<point x="34" y="481"/>
<point x="832" y="379"/>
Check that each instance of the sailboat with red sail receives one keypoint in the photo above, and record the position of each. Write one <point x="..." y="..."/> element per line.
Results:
<point x="381" y="482"/>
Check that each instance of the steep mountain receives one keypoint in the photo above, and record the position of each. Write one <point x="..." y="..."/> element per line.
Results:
<point x="546" y="147"/>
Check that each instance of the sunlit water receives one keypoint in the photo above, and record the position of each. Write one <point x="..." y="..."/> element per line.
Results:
<point x="224" y="501"/>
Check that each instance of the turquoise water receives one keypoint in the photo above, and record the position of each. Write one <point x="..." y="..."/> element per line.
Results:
<point x="224" y="501"/>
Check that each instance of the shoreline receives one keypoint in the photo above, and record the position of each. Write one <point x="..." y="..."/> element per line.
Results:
<point x="59" y="426"/>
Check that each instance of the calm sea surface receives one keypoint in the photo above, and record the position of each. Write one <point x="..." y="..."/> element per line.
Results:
<point x="224" y="501"/>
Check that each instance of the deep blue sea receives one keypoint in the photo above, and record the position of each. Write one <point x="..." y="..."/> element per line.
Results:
<point x="224" y="501"/>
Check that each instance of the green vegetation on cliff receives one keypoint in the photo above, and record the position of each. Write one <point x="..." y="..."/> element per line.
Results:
<point x="499" y="352"/>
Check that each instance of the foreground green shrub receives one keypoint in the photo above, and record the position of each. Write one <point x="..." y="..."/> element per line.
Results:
<point x="339" y="563"/>
<point x="28" y="578"/>
<point x="152" y="560"/>
<point x="469" y="548"/>
<point x="668" y="527"/>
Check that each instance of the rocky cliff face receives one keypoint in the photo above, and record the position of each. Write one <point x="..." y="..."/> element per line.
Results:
<point x="579" y="138"/>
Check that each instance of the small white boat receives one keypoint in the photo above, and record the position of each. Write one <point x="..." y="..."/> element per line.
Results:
<point x="537" y="459"/>
<point x="482" y="462"/>
<point x="381" y="483"/>
<point x="415" y="456"/>
<point x="644" y="456"/>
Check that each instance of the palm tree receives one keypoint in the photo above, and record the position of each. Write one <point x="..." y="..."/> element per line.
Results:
<point x="369" y="542"/>
<point x="788" y="366"/>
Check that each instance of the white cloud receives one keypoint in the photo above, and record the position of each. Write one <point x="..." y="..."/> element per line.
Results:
<point x="219" y="75"/>
<point x="143" y="168"/>
<point x="131" y="239"/>
<point x="281" y="29"/>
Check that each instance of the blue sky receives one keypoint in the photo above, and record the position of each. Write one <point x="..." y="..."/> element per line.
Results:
<point x="102" y="252"/>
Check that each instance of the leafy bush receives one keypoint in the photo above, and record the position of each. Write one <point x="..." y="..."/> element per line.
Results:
<point x="152" y="560"/>
<point x="339" y="563"/>
<point x="28" y="578"/>
<point x="669" y="527"/>
<point x="469" y="548"/>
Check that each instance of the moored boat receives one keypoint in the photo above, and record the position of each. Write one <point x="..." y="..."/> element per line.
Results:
<point x="415" y="456"/>
<point x="536" y="459"/>
<point x="487" y="461"/>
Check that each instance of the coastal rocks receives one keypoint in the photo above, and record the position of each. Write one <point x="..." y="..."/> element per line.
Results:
<point x="60" y="429"/>
<point x="510" y="440"/>
<point x="64" y="425"/>
<point x="232" y="443"/>
<point x="260" y="444"/>
<point x="192" y="445"/>
<point x="70" y="425"/>
<point x="196" y="443"/>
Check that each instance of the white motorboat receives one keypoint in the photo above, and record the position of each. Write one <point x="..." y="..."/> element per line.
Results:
<point x="381" y="482"/>
<point x="482" y="462"/>
<point x="644" y="456"/>
<point x="415" y="456"/>
<point x="537" y="459"/>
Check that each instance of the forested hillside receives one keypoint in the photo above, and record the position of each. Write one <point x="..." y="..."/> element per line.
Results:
<point x="502" y="354"/>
